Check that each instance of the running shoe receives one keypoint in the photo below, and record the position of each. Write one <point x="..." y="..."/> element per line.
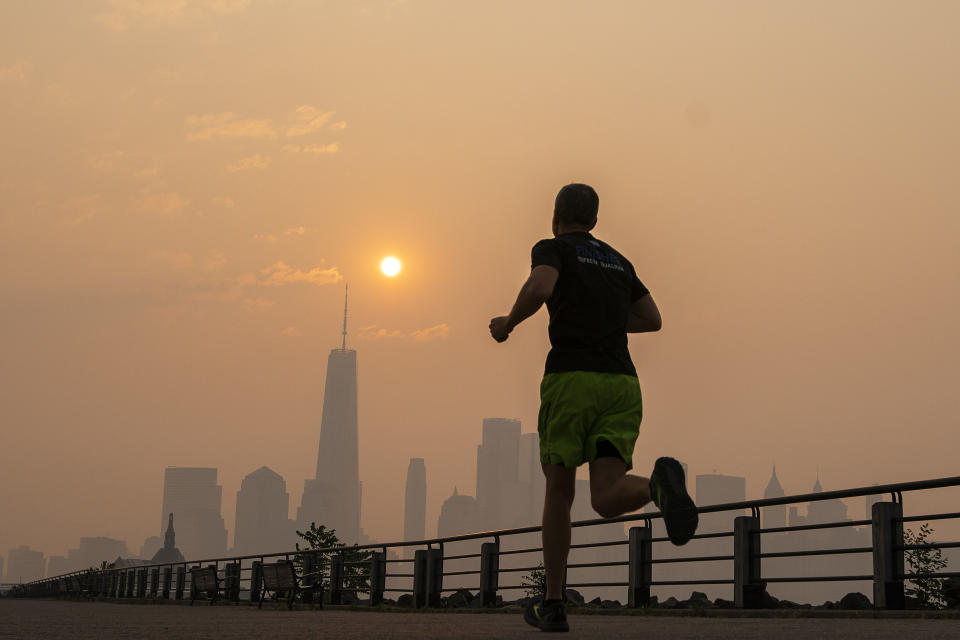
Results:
<point x="546" y="616"/>
<point x="669" y="492"/>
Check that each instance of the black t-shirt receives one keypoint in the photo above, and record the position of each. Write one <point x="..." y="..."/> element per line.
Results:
<point x="590" y="304"/>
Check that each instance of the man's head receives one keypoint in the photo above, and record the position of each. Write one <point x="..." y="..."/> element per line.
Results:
<point x="575" y="208"/>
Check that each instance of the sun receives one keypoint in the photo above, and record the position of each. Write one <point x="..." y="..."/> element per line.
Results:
<point x="390" y="266"/>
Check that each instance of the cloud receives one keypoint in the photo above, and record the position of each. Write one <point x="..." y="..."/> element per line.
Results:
<point x="117" y="16"/>
<point x="295" y="231"/>
<point x="308" y="119"/>
<point x="436" y="332"/>
<point x="225" y="201"/>
<point x="105" y="160"/>
<point x="256" y="161"/>
<point x="162" y="203"/>
<point x="280" y="273"/>
<point x="338" y="126"/>
<point x="291" y="332"/>
<point x="170" y="259"/>
<point x="266" y="237"/>
<point x="227" y="125"/>
<point x="333" y="147"/>
<point x="16" y="71"/>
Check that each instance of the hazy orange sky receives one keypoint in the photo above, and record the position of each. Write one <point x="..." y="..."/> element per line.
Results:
<point x="185" y="185"/>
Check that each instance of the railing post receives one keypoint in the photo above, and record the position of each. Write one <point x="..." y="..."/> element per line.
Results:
<point x="419" y="578"/>
<point x="489" y="573"/>
<point x="378" y="577"/>
<point x="154" y="582"/>
<point x="309" y="579"/>
<point x="747" y="586"/>
<point x="256" y="575"/>
<point x="131" y="575"/>
<point x="167" y="579"/>
<point x="181" y="582"/>
<point x="336" y="578"/>
<point x="232" y="579"/>
<point x="434" y="577"/>
<point x="142" y="583"/>
<point x="641" y="571"/>
<point x="121" y="584"/>
<point x="887" y="555"/>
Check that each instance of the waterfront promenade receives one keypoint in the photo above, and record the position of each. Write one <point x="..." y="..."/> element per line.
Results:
<point x="50" y="619"/>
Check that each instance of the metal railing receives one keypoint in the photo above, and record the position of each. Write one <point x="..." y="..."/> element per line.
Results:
<point x="423" y="575"/>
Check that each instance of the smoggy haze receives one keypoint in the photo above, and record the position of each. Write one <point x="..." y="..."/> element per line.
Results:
<point x="184" y="185"/>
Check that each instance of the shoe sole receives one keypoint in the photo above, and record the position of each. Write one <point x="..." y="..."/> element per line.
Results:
<point x="544" y="626"/>
<point x="679" y="512"/>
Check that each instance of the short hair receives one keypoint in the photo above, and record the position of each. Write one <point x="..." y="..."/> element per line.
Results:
<point x="577" y="204"/>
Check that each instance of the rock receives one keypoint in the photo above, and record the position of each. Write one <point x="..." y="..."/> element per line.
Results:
<point x="572" y="596"/>
<point x="789" y="604"/>
<point x="476" y="603"/>
<point x="459" y="599"/>
<point x="389" y="601"/>
<point x="405" y="600"/>
<point x="610" y="604"/>
<point x="720" y="603"/>
<point x="596" y="602"/>
<point x="698" y="600"/>
<point x="767" y="601"/>
<point x="855" y="601"/>
<point x="670" y="603"/>
<point x="348" y="597"/>
<point x="654" y="601"/>
<point x="951" y="592"/>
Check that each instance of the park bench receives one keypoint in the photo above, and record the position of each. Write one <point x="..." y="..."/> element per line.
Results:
<point x="281" y="577"/>
<point x="204" y="580"/>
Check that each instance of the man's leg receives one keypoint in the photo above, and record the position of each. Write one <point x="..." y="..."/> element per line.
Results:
<point x="561" y="484"/>
<point x="612" y="491"/>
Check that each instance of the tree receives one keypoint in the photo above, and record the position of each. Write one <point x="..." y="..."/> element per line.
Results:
<point x="535" y="582"/>
<point x="323" y="543"/>
<point x="928" y="592"/>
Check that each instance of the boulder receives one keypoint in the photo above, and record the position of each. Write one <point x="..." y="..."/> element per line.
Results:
<point x="476" y="602"/>
<point x="572" y="596"/>
<point x="767" y="601"/>
<point x="405" y="600"/>
<point x="459" y="599"/>
<point x="670" y="603"/>
<point x="610" y="604"/>
<point x="855" y="601"/>
<point x="596" y="602"/>
<point x="698" y="600"/>
<point x="720" y="603"/>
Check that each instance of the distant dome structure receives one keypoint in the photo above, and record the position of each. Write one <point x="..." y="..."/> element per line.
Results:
<point x="169" y="552"/>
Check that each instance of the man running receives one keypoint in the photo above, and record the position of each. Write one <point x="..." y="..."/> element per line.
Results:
<point x="590" y="405"/>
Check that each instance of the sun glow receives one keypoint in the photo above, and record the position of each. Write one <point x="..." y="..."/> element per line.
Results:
<point x="390" y="266"/>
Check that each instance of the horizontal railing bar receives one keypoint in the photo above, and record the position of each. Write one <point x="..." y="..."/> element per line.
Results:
<point x="400" y="590"/>
<point x="809" y="527"/>
<point x="399" y="560"/>
<point x="666" y="583"/>
<point x="815" y="552"/>
<point x="466" y="555"/>
<point x="515" y="551"/>
<point x="820" y="579"/>
<point x="519" y="569"/>
<point x="943" y="574"/>
<point x="928" y="545"/>
<point x="399" y="575"/>
<point x="931" y="516"/>
<point x="585" y="565"/>
<point x="598" y="584"/>
<point x="460" y="573"/>
<point x="590" y="545"/>
<point x="690" y="559"/>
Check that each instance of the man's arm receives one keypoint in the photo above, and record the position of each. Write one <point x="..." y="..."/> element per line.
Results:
<point x="534" y="292"/>
<point x="644" y="316"/>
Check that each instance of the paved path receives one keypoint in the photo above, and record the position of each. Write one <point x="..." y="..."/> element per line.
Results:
<point x="50" y="619"/>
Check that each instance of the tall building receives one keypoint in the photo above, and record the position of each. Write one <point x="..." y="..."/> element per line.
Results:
<point x="194" y="497"/>
<point x="415" y="501"/>
<point x="24" y="564"/>
<point x="332" y="498"/>
<point x="717" y="488"/>
<point x="263" y="507"/>
<point x="498" y="472"/>
<point x="458" y="514"/>
<point x="774" y="516"/>
<point x="1" y="566"/>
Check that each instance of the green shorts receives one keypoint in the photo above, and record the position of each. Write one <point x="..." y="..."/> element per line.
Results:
<point x="578" y="408"/>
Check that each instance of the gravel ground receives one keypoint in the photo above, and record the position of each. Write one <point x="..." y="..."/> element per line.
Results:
<point x="51" y="619"/>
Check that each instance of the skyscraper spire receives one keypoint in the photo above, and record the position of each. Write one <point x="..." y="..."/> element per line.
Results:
<point x="346" y="290"/>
